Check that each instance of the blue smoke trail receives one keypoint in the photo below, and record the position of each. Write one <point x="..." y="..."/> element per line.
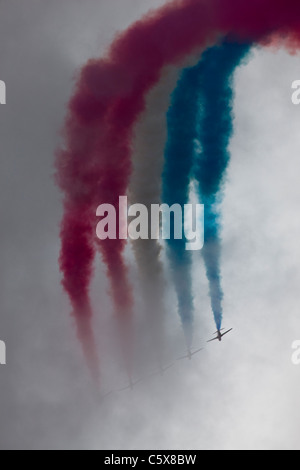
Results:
<point x="215" y="130"/>
<point x="200" y="112"/>
<point x="179" y="158"/>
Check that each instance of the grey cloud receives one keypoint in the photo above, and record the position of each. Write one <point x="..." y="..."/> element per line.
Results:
<point x="241" y="395"/>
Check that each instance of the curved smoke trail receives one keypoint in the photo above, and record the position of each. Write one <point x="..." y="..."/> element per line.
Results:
<point x="194" y="93"/>
<point x="145" y="188"/>
<point x="95" y="165"/>
<point x="179" y="158"/>
<point x="215" y="130"/>
<point x="77" y="241"/>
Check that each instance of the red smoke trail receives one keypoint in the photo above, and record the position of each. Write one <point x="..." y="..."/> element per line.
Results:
<point x="110" y="96"/>
<point x="77" y="251"/>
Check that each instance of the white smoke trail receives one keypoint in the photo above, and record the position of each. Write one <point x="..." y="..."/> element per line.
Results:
<point x="146" y="188"/>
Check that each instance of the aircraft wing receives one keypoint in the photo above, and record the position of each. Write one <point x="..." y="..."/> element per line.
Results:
<point x="123" y="389"/>
<point x="167" y="368"/>
<point x="137" y="382"/>
<point x="161" y="371"/>
<point x="130" y="387"/>
<point x="227" y="332"/>
<point x="196" y="352"/>
<point x="214" y="339"/>
<point x="181" y="358"/>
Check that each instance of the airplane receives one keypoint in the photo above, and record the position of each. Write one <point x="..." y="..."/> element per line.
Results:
<point x="106" y="395"/>
<point x="161" y="370"/>
<point x="220" y="335"/>
<point x="190" y="354"/>
<point x="99" y="396"/>
<point x="130" y="386"/>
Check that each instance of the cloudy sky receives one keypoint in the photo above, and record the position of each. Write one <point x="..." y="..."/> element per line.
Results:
<point x="242" y="394"/>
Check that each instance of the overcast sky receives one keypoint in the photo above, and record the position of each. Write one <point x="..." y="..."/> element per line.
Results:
<point x="242" y="394"/>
